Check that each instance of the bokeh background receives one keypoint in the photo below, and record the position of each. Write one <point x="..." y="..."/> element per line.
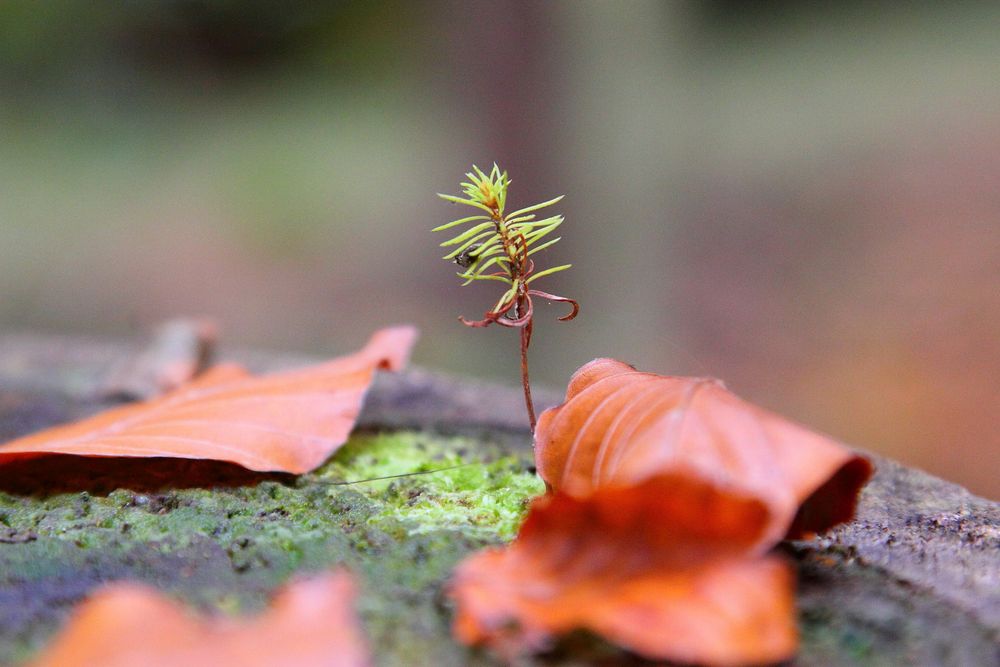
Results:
<point x="800" y="198"/>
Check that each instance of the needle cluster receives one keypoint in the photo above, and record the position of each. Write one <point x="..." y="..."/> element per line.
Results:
<point x="496" y="245"/>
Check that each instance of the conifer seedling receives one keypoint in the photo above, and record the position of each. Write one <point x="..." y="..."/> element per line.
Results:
<point x="496" y="245"/>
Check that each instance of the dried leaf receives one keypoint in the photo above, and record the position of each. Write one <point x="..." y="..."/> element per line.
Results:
<point x="290" y="421"/>
<point x="665" y="494"/>
<point x="310" y="623"/>
<point x="659" y="568"/>
<point x="620" y="426"/>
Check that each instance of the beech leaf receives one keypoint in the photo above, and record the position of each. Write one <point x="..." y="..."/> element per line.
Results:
<point x="659" y="569"/>
<point x="620" y="426"/>
<point x="665" y="495"/>
<point x="290" y="421"/>
<point x="310" y="623"/>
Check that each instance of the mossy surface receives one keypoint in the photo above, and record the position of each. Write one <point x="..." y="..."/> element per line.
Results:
<point x="900" y="585"/>
<point x="223" y="540"/>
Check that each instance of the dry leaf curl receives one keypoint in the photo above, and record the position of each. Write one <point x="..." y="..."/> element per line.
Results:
<point x="620" y="426"/>
<point x="310" y="623"/>
<point x="659" y="568"/>
<point x="665" y="494"/>
<point x="289" y="422"/>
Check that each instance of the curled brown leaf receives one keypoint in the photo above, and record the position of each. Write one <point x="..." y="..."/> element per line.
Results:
<point x="620" y="426"/>
<point x="665" y="494"/>
<point x="658" y="568"/>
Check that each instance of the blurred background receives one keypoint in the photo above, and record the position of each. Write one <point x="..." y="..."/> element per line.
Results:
<point x="800" y="198"/>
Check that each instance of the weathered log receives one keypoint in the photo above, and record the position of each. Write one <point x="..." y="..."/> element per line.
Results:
<point x="913" y="580"/>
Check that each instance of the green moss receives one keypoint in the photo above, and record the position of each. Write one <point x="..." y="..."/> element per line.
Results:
<point x="224" y="545"/>
<point x="485" y="499"/>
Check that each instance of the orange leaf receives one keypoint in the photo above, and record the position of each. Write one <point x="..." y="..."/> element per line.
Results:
<point x="665" y="494"/>
<point x="310" y="624"/>
<point x="657" y="568"/>
<point x="290" y="421"/>
<point x="621" y="426"/>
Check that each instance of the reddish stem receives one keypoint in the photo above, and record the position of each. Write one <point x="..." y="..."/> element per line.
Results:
<point x="525" y="341"/>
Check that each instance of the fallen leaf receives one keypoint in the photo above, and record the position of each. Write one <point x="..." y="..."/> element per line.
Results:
<point x="665" y="494"/>
<point x="659" y="568"/>
<point x="290" y="421"/>
<point x="620" y="426"/>
<point x="310" y="623"/>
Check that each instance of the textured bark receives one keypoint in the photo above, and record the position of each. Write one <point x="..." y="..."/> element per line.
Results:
<point x="913" y="580"/>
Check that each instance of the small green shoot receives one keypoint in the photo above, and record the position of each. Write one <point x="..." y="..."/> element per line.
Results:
<point x="498" y="246"/>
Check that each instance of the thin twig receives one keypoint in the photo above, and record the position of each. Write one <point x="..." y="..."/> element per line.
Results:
<point x="402" y="474"/>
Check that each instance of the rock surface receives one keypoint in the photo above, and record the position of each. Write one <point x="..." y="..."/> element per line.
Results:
<point x="914" y="580"/>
